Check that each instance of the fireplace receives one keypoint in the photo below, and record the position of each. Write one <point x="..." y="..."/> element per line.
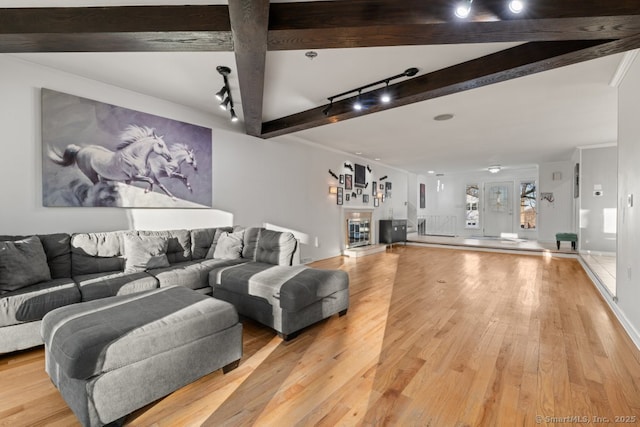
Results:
<point x="358" y="228"/>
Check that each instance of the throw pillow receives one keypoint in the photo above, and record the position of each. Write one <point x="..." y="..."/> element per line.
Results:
<point x="144" y="252"/>
<point x="22" y="263"/>
<point x="216" y="237"/>
<point x="229" y="246"/>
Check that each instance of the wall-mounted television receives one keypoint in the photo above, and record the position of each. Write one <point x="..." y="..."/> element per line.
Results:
<point x="360" y="178"/>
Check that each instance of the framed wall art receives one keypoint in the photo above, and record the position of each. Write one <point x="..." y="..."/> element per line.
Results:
<point x="339" y="196"/>
<point x="103" y="155"/>
<point x="348" y="182"/>
<point x="376" y="202"/>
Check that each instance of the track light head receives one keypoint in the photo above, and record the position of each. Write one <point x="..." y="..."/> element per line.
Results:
<point x="516" y="6"/>
<point x="234" y="118"/>
<point x="385" y="98"/>
<point x="220" y="94"/>
<point x="327" y="109"/>
<point x="225" y="104"/>
<point x="463" y="9"/>
<point x="358" y="104"/>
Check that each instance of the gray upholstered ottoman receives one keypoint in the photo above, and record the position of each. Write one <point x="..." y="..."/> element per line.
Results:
<point x="112" y="356"/>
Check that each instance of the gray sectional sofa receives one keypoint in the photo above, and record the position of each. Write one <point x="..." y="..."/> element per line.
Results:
<point x="255" y="269"/>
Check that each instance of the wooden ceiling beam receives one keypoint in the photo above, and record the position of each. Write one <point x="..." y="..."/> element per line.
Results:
<point x="115" y="29"/>
<point x="364" y="23"/>
<point x="519" y="61"/>
<point x="249" y="25"/>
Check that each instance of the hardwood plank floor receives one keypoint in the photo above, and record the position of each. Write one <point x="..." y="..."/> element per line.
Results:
<point x="433" y="337"/>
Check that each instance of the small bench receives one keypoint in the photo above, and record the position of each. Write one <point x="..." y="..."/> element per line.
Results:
<point x="567" y="237"/>
<point x="112" y="356"/>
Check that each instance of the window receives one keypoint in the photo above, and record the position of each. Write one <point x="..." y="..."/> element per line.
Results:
<point x="528" y="205"/>
<point x="472" y="213"/>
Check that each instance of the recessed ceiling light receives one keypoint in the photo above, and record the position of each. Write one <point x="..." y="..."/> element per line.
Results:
<point x="443" y="117"/>
<point x="377" y="158"/>
<point x="431" y="172"/>
<point x="494" y="168"/>
<point x="358" y="153"/>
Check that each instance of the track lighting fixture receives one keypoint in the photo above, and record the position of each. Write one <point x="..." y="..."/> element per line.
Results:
<point x="463" y="9"/>
<point x="227" y="102"/>
<point x="361" y="99"/>
<point x="516" y="6"/>
<point x="220" y="94"/>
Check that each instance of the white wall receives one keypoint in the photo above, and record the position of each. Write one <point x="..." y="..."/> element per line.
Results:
<point x="628" y="257"/>
<point x="450" y="199"/>
<point x="282" y="181"/>
<point x="598" y="172"/>
<point x="555" y="217"/>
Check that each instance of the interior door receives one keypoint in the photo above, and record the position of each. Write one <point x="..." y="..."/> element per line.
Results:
<point x="498" y="212"/>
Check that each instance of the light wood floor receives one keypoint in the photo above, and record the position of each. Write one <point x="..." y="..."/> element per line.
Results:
<point x="433" y="337"/>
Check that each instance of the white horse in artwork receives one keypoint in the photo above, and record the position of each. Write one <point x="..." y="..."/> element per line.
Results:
<point x="128" y="163"/>
<point x="160" y="167"/>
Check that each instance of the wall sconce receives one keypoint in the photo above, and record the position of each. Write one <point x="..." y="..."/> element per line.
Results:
<point x="226" y="102"/>
<point x="379" y="195"/>
<point x="333" y="189"/>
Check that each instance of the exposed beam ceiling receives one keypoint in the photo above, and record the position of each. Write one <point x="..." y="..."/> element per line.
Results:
<point x="561" y="33"/>
<point x="249" y="24"/>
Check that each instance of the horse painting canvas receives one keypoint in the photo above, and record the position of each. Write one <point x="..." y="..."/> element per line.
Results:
<point x="97" y="154"/>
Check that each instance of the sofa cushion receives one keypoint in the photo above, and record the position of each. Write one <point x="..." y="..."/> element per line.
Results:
<point x="100" y="336"/>
<point x="102" y="285"/>
<point x="33" y="302"/>
<point x="190" y="274"/>
<point x="276" y="247"/>
<point x="96" y="252"/>
<point x="22" y="263"/>
<point x="250" y="247"/>
<point x="216" y="237"/>
<point x="179" y="248"/>
<point x="144" y="252"/>
<point x="229" y="246"/>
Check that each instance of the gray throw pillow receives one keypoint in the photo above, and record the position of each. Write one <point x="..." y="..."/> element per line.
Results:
<point x="22" y="263"/>
<point x="229" y="246"/>
<point x="145" y="252"/>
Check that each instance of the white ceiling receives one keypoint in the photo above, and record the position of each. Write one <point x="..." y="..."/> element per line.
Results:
<point x="530" y="120"/>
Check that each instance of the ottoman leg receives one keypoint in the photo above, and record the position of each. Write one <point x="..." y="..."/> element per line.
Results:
<point x="573" y="245"/>
<point x="230" y="367"/>
<point x="342" y="313"/>
<point x="558" y="244"/>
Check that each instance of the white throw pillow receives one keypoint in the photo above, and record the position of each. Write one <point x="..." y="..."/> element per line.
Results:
<point x="229" y="246"/>
<point x="144" y="252"/>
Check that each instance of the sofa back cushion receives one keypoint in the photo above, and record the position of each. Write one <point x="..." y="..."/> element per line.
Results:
<point x="250" y="246"/>
<point x="179" y="248"/>
<point x="201" y="239"/>
<point x="22" y="263"/>
<point x="276" y="247"/>
<point x="58" y="250"/>
<point x="96" y="252"/>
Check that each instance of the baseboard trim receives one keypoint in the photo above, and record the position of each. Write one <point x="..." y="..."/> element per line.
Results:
<point x="611" y="301"/>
